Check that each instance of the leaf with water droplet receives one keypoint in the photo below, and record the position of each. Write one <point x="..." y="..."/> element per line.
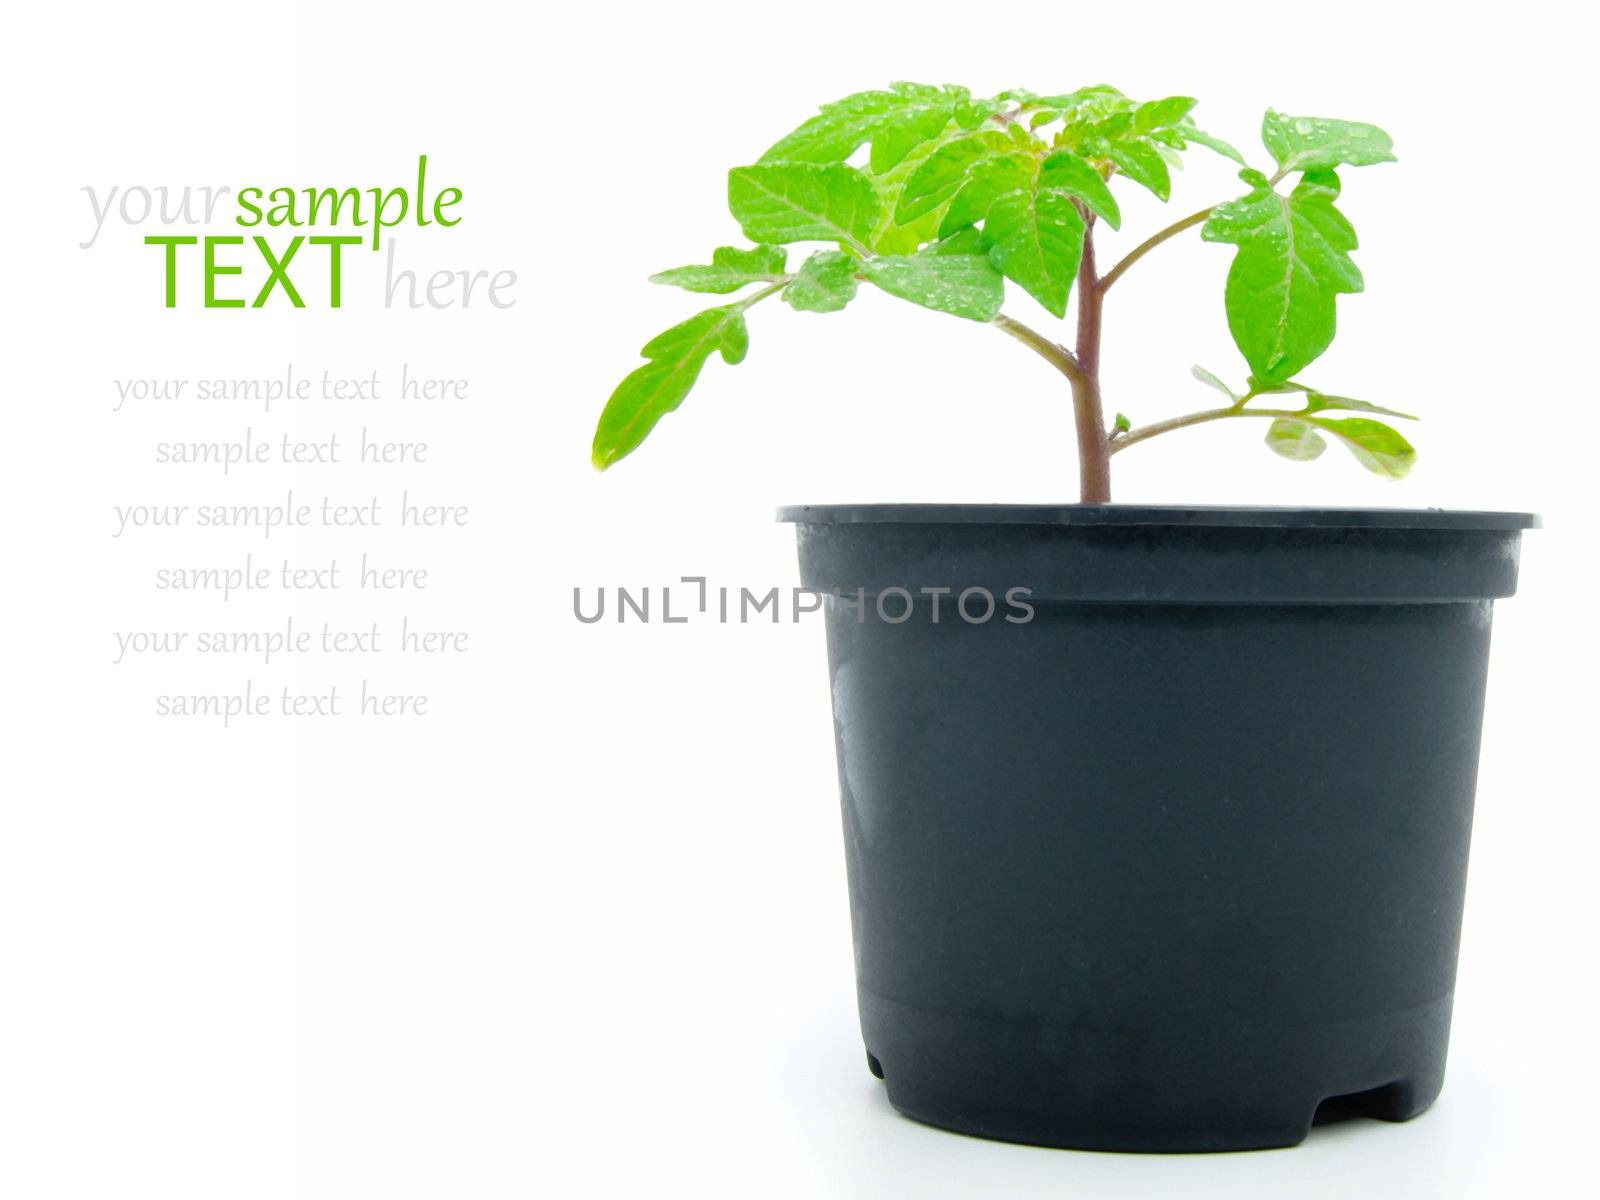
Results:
<point x="1191" y="133"/>
<point x="1162" y="114"/>
<point x="943" y="172"/>
<point x="1293" y="261"/>
<point x="729" y="270"/>
<point x="1313" y="143"/>
<point x="1035" y="238"/>
<point x="942" y="278"/>
<point x="803" y="202"/>
<point x="826" y="282"/>
<point x="1140" y="162"/>
<point x="895" y="121"/>
<point x="898" y="230"/>
<point x="987" y="180"/>
<point x="1064" y="171"/>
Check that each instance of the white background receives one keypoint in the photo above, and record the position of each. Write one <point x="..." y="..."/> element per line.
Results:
<point x="582" y="931"/>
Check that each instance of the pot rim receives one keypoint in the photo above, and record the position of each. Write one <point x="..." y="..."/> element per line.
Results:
<point x="1175" y="515"/>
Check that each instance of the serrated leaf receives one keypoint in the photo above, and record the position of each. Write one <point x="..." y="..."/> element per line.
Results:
<point x="1313" y="143"/>
<point x="964" y="285"/>
<point x="659" y="386"/>
<point x="1292" y="263"/>
<point x="826" y="282"/>
<point x="1295" y="440"/>
<point x="1375" y="445"/>
<point x="1064" y="171"/>
<point x="730" y="269"/>
<point x="1036" y="239"/>
<point x="1139" y="161"/>
<point x="803" y="202"/>
<point x="894" y="121"/>
<point x="1210" y="380"/>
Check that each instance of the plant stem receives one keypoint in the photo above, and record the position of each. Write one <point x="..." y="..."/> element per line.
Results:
<point x="779" y="282"/>
<point x="1150" y="244"/>
<point x="1054" y="353"/>
<point x="1146" y="432"/>
<point x="1094" y="453"/>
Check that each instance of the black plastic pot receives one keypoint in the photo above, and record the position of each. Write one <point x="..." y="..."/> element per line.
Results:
<point x="1181" y="857"/>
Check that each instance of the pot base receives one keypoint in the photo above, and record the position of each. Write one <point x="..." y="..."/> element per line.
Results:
<point x="1174" y="1090"/>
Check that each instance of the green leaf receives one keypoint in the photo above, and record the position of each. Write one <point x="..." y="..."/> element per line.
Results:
<point x="839" y="130"/>
<point x="1120" y="424"/>
<point x="1313" y="143"/>
<point x="1377" y="447"/>
<point x="965" y="241"/>
<point x="803" y="202"/>
<point x="894" y="121"/>
<point x="941" y="174"/>
<point x="731" y="269"/>
<point x="1036" y="238"/>
<point x="962" y="284"/>
<point x="1190" y="133"/>
<point x="1118" y="125"/>
<point x="659" y="386"/>
<point x="925" y="113"/>
<point x="987" y="180"/>
<point x="1295" y="440"/>
<point x="1169" y="154"/>
<point x="1292" y="263"/>
<point x="826" y="282"/>
<point x="1064" y="171"/>
<point x="1096" y="93"/>
<point x="1139" y="161"/>
<point x="1320" y="401"/>
<point x="899" y="231"/>
<point x="1162" y="114"/>
<point x="1275" y="386"/>
<point x="1210" y="380"/>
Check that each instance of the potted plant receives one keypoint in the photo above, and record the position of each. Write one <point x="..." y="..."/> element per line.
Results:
<point x="1167" y="851"/>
